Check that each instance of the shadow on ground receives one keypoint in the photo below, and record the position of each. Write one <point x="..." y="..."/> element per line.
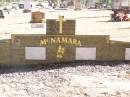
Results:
<point x="5" y="69"/>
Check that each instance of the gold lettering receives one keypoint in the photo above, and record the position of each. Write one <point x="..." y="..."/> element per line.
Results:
<point x="74" y="41"/>
<point x="53" y="40"/>
<point x="61" y="40"/>
<point x="58" y="40"/>
<point x="79" y="43"/>
<point x="70" y="41"/>
<point x="60" y="52"/>
<point x="64" y="40"/>
<point x="43" y="42"/>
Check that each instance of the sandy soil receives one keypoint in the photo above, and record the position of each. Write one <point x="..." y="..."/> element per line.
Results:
<point x="77" y="81"/>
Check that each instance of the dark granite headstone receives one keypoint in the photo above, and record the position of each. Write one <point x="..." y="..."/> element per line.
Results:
<point x="52" y="27"/>
<point x="1" y="14"/>
<point x="21" y="6"/>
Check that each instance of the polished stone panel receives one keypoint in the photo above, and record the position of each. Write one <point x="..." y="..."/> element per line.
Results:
<point x="35" y="53"/>
<point x="127" y="54"/>
<point x="85" y="53"/>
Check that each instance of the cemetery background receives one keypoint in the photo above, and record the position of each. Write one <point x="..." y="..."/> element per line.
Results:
<point x="99" y="19"/>
<point x="79" y="81"/>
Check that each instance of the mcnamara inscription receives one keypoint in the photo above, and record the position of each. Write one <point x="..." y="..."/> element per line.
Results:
<point x="60" y="41"/>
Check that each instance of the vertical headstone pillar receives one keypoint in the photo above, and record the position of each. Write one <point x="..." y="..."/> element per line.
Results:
<point x="27" y="6"/>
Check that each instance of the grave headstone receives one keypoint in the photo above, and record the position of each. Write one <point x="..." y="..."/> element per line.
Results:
<point x="53" y="27"/>
<point x="1" y="14"/>
<point x="59" y="46"/>
<point x="5" y="57"/>
<point x="27" y="6"/>
<point x="119" y="50"/>
<point x="91" y="3"/>
<point x="21" y="6"/>
<point x="37" y="17"/>
<point x="77" y="4"/>
<point x="70" y="4"/>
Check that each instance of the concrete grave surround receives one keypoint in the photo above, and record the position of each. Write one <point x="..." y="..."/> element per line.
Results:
<point x="127" y="54"/>
<point x="35" y="53"/>
<point x="54" y="46"/>
<point x="85" y="53"/>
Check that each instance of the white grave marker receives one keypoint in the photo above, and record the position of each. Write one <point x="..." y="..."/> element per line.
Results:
<point x="127" y="54"/>
<point x="27" y="5"/>
<point x="35" y="53"/>
<point x="85" y="53"/>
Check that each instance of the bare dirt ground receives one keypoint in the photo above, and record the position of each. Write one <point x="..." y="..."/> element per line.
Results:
<point x="86" y="80"/>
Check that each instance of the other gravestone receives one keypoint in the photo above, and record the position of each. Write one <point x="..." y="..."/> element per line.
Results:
<point x="21" y="6"/>
<point x="77" y="5"/>
<point x="27" y="6"/>
<point x="1" y="14"/>
<point x="37" y="17"/>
